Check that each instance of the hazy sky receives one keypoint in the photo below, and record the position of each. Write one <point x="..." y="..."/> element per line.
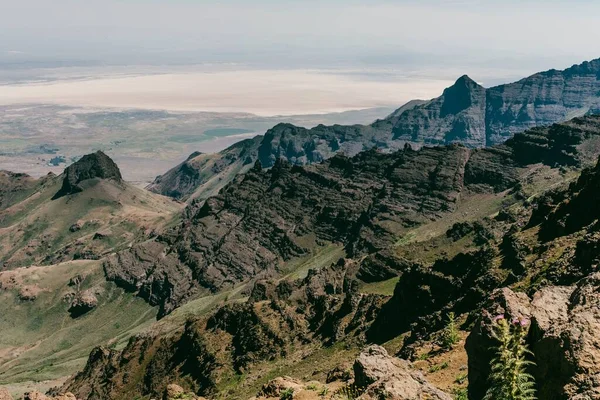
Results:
<point x="302" y="33"/>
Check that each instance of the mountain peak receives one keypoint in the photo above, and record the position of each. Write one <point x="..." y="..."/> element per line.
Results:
<point x="466" y="81"/>
<point x="94" y="165"/>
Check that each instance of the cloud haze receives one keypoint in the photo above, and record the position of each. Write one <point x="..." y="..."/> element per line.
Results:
<point x="300" y="33"/>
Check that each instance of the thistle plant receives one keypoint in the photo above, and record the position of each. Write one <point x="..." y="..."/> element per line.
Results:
<point x="450" y="335"/>
<point x="509" y="379"/>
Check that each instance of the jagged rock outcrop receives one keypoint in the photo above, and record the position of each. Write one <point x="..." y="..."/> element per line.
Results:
<point x="564" y="337"/>
<point x="465" y="113"/>
<point x="578" y="209"/>
<point x="267" y="217"/>
<point x="383" y="377"/>
<point x="458" y="284"/>
<point x="91" y="166"/>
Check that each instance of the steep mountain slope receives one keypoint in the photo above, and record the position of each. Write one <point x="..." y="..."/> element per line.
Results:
<point x="367" y="203"/>
<point x="465" y="113"/>
<point x="83" y="214"/>
<point x="510" y="215"/>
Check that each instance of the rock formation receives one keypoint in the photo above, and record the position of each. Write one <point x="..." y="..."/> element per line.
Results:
<point x="92" y="166"/>
<point x="325" y="307"/>
<point x="380" y="376"/>
<point x="82" y="303"/>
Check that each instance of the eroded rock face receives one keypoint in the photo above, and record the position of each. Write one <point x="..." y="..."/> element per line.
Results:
<point x="91" y="166"/>
<point x="278" y="320"/>
<point x="385" y="377"/>
<point x="564" y="337"/>
<point x="542" y="99"/>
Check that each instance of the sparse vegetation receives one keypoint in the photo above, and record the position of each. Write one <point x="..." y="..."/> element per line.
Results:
<point x="509" y="379"/>
<point x="450" y="335"/>
<point x="348" y="392"/>
<point x="439" y="367"/>
<point x="462" y="378"/>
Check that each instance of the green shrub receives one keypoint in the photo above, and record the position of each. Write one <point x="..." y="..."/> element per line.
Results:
<point x="462" y="378"/>
<point x="287" y="394"/>
<point x="460" y="394"/>
<point x="509" y="379"/>
<point x="450" y="335"/>
<point x="439" y="367"/>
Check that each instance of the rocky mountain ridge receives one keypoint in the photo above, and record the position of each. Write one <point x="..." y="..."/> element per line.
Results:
<point x="465" y="113"/>
<point x="366" y="203"/>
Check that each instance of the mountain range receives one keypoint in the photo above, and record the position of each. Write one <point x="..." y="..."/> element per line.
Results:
<point x="319" y="263"/>
<point x="465" y="113"/>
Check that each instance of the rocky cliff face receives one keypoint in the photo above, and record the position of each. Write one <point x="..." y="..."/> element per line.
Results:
<point x="465" y="113"/>
<point x="91" y="166"/>
<point x="457" y="116"/>
<point x="542" y="99"/>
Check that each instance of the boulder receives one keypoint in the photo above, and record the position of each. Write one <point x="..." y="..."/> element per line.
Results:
<point x="173" y="391"/>
<point x="379" y="375"/>
<point x="564" y="338"/>
<point x="28" y="293"/>
<point x="82" y="303"/>
<point x="75" y="227"/>
<point x="275" y="387"/>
